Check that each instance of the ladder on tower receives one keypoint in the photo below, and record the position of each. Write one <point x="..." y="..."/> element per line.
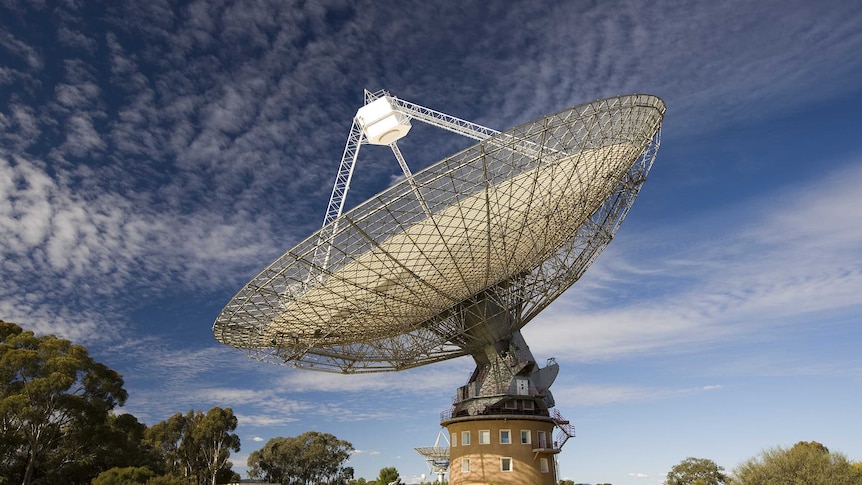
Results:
<point x="565" y="431"/>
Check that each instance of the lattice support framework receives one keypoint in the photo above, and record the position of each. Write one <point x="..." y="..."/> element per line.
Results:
<point x="515" y="219"/>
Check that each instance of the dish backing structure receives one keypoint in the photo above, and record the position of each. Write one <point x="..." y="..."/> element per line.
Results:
<point x="454" y="260"/>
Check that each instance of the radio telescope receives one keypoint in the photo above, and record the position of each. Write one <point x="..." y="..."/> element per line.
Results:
<point x="437" y="457"/>
<point x="454" y="260"/>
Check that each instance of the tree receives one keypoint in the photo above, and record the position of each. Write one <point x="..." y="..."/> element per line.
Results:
<point x="167" y="480"/>
<point x="166" y="437"/>
<point x="124" y="476"/>
<point x="215" y="440"/>
<point x="122" y="444"/>
<point x="226" y="475"/>
<point x="346" y="474"/>
<point x="388" y="475"/>
<point x="807" y="462"/>
<point x="696" y="471"/>
<point x="51" y="392"/>
<point x="196" y="446"/>
<point x="311" y="457"/>
<point x="116" y="443"/>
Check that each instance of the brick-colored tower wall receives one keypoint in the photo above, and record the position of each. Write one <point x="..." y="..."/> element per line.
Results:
<point x="486" y="460"/>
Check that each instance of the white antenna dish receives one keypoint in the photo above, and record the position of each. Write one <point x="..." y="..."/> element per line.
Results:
<point x="437" y="457"/>
<point x="455" y="259"/>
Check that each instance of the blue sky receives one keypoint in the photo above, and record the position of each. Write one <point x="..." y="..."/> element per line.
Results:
<point x="155" y="156"/>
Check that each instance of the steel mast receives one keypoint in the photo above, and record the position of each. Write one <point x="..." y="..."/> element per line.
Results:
<point x="383" y="120"/>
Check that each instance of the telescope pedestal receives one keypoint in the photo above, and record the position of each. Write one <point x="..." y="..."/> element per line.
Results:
<point x="501" y="426"/>
<point x="518" y="450"/>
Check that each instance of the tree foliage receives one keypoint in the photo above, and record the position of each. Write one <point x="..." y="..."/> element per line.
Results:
<point x="388" y="475"/>
<point x="136" y="476"/>
<point x="807" y="462"/>
<point x="122" y="445"/>
<point x="696" y="471"/>
<point x="124" y="476"/>
<point x="57" y="423"/>
<point x="115" y="443"/>
<point x="196" y="446"/>
<point x="311" y="457"/>
<point x="215" y="439"/>
<point x="52" y="393"/>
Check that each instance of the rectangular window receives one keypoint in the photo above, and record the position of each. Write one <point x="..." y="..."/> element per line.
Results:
<point x="454" y="439"/>
<point x="523" y="387"/>
<point x="544" y="465"/>
<point x="465" y="438"/>
<point x="542" y="441"/>
<point x="512" y="404"/>
<point x="528" y="405"/>
<point x="465" y="464"/>
<point x="485" y="437"/>
<point x="525" y="436"/>
<point x="505" y="437"/>
<point x="506" y="464"/>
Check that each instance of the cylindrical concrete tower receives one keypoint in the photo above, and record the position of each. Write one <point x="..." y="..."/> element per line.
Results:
<point x="501" y="449"/>
<point x="501" y="426"/>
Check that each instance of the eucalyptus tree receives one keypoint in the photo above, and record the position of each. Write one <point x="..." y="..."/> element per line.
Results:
<point x="696" y="471"/>
<point x="51" y="392"/>
<point x="807" y="462"/>
<point x="311" y="457"/>
<point x="195" y="445"/>
<point x="388" y="475"/>
<point x="215" y="439"/>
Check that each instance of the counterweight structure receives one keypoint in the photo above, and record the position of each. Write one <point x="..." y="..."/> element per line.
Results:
<point x="454" y="260"/>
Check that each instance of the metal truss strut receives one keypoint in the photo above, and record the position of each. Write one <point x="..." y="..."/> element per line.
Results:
<point x="356" y="138"/>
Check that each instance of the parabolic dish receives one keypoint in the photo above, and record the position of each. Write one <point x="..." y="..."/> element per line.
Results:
<point x="515" y="220"/>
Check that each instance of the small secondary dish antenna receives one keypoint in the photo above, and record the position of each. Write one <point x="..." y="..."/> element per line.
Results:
<point x="437" y="456"/>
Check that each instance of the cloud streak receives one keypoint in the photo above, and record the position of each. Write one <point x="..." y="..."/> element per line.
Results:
<point x="586" y="395"/>
<point x="788" y="258"/>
